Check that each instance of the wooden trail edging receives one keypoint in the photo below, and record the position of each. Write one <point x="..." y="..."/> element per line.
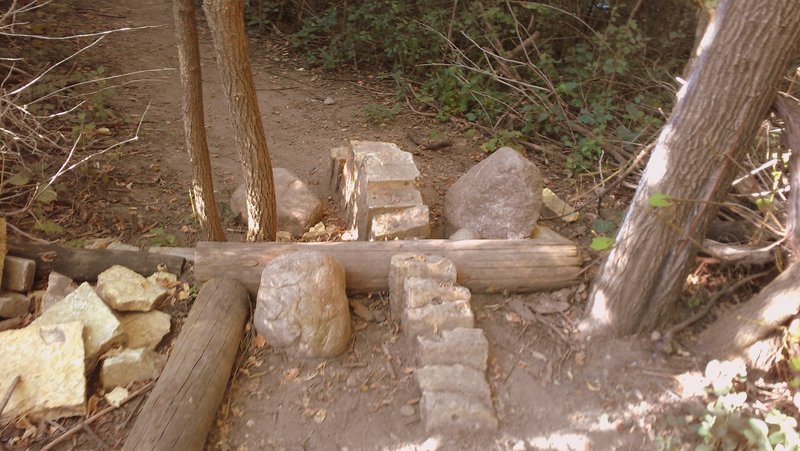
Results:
<point x="549" y="261"/>
<point x="181" y="410"/>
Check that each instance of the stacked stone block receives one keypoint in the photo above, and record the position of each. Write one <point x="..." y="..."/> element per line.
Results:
<point x="450" y="353"/>
<point x="380" y="192"/>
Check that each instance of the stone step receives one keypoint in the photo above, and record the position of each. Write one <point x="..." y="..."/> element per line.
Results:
<point x="460" y="346"/>
<point x="407" y="264"/>
<point x="435" y="318"/>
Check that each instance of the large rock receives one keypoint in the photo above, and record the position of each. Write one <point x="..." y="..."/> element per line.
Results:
<point x="500" y="197"/>
<point x="103" y="329"/>
<point x="298" y="208"/>
<point x="49" y="359"/>
<point x="131" y="365"/>
<point x="128" y="291"/>
<point x="302" y="305"/>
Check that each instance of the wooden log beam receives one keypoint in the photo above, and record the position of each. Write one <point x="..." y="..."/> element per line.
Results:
<point x="87" y="264"/>
<point x="754" y="319"/>
<point x="183" y="405"/>
<point x="547" y="262"/>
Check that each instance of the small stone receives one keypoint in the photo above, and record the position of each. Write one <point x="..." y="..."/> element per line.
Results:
<point x="103" y="131"/>
<point x="379" y="316"/>
<point x="103" y="329"/>
<point x="58" y="287"/>
<point x="145" y="329"/>
<point x="126" y="291"/>
<point x="13" y="304"/>
<point x="407" y="411"/>
<point x="117" y="396"/>
<point x="329" y="101"/>
<point x="18" y="273"/>
<point x="131" y="365"/>
<point x="465" y="234"/>
<point x="463" y="346"/>
<point x="49" y="358"/>
<point x="250" y="423"/>
<point x="558" y="207"/>
<point x="302" y="305"/>
<point x="405" y="265"/>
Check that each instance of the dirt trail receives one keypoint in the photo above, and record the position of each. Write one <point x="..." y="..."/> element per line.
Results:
<point x="549" y="393"/>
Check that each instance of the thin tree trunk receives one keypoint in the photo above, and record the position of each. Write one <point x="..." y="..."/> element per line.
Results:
<point x="226" y="21"/>
<point x="748" y="48"/>
<point x="205" y="205"/>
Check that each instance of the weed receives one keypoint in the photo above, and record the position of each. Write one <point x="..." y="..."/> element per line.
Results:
<point x="377" y="114"/>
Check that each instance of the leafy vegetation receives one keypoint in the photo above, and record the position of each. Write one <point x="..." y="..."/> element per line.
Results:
<point x="582" y="76"/>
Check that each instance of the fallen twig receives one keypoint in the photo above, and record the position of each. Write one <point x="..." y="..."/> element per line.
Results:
<point x="79" y="427"/>
<point x="429" y="146"/>
<point x="9" y="392"/>
<point x="666" y="344"/>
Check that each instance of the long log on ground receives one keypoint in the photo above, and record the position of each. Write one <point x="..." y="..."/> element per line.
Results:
<point x="547" y="262"/>
<point x="754" y="319"/>
<point x="183" y="405"/>
<point x="87" y="264"/>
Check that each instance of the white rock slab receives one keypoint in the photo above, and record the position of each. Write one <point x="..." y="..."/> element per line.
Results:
<point x="131" y="365"/>
<point x="49" y="358"/>
<point x="128" y="291"/>
<point x="103" y="329"/>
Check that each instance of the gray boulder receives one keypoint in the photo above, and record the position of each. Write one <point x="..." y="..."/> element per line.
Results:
<point x="302" y="305"/>
<point x="298" y="208"/>
<point x="499" y="198"/>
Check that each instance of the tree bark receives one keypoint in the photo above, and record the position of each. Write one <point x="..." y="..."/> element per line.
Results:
<point x="205" y="206"/>
<point x="226" y="21"/>
<point x="748" y="46"/>
<point x="789" y="110"/>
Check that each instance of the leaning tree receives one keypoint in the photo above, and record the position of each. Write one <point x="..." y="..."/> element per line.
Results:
<point x="203" y="201"/>
<point x="744" y="53"/>
<point x="226" y="21"/>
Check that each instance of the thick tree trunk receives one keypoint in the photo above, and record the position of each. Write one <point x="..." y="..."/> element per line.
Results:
<point x="194" y="128"/>
<point x="789" y="110"/>
<point x="226" y="21"/>
<point x="748" y="46"/>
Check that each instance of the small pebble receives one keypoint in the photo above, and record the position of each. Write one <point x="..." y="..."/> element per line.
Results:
<point x="250" y="423"/>
<point x="378" y="316"/>
<point x="329" y="101"/>
<point x="407" y="410"/>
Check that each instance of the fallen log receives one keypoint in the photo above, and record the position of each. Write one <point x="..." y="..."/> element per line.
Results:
<point x="549" y="261"/>
<point x="183" y="405"/>
<point x="87" y="264"/>
<point x="754" y="319"/>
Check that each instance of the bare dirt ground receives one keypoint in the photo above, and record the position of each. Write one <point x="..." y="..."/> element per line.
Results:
<point x="550" y="391"/>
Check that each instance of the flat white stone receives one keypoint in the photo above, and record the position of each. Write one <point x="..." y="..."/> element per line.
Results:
<point x="131" y="365"/>
<point x="49" y="358"/>
<point x="126" y="291"/>
<point x="103" y="329"/>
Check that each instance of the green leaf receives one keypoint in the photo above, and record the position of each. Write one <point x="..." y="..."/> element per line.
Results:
<point x="18" y="180"/>
<point x="660" y="200"/>
<point x="794" y="364"/>
<point x="46" y="195"/>
<point x="49" y="227"/>
<point x="601" y="243"/>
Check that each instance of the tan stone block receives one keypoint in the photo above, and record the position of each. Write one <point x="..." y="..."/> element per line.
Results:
<point x="13" y="304"/>
<point x="126" y="291"/>
<point x="103" y="329"/>
<point x="145" y="329"/>
<point x="49" y="358"/>
<point x="18" y="273"/>
<point x="131" y="365"/>
<point x="435" y="318"/>
<point x="405" y="265"/>
<point x="462" y="346"/>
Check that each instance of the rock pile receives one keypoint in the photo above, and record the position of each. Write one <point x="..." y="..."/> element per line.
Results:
<point x="114" y="324"/>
